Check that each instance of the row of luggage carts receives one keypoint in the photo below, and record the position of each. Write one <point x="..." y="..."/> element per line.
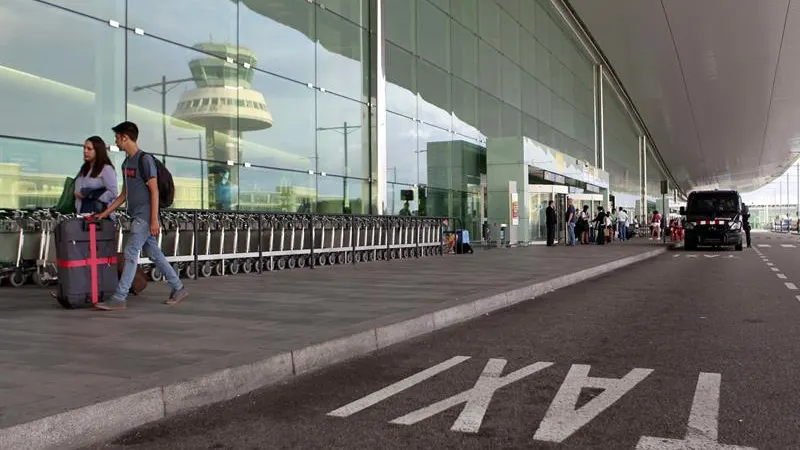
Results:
<point x="209" y="243"/>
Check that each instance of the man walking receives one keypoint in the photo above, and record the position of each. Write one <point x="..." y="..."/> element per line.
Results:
<point x="552" y="219"/>
<point x="140" y="191"/>
<point x="622" y="224"/>
<point x="571" y="219"/>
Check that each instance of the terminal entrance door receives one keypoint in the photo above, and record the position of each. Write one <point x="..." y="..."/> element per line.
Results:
<point x="539" y="196"/>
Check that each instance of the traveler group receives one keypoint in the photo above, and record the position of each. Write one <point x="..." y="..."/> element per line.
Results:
<point x="602" y="228"/>
<point x="143" y="190"/>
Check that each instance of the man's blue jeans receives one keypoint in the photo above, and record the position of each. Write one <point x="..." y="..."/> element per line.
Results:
<point x="138" y="240"/>
<point x="571" y="230"/>
<point x="623" y="231"/>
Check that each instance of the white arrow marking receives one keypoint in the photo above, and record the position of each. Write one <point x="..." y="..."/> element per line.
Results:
<point x="781" y="276"/>
<point x="790" y="286"/>
<point x="764" y="245"/>
<point x="676" y="256"/>
<point x="710" y="256"/>
<point x="770" y="264"/>
<point x="788" y="246"/>
<point x="562" y="420"/>
<point x="477" y="399"/>
<point x="396" y="388"/>
<point x="775" y="269"/>
<point x="703" y="424"/>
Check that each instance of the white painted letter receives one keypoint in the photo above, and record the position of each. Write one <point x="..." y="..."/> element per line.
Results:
<point x="396" y="388"/>
<point x="477" y="399"/>
<point x="562" y="420"/>
<point x="703" y="421"/>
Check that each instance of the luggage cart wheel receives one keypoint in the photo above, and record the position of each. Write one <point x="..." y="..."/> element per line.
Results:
<point x="281" y="263"/>
<point x="18" y="278"/>
<point x="156" y="275"/>
<point x="219" y="268"/>
<point x="368" y="255"/>
<point x="206" y="269"/>
<point x="301" y="261"/>
<point x="234" y="267"/>
<point x="247" y="266"/>
<point x="393" y="254"/>
<point x="189" y="270"/>
<point x="359" y="257"/>
<point x="331" y="259"/>
<point x="340" y="258"/>
<point x="292" y="262"/>
<point x="40" y="280"/>
<point x="268" y="265"/>
<point x="349" y="258"/>
<point x="322" y="260"/>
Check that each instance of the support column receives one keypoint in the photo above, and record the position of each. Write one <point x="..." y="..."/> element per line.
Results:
<point x="599" y="119"/>
<point x="378" y="105"/>
<point x="643" y="160"/>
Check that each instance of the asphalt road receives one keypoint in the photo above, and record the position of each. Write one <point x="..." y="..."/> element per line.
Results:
<point x="716" y="331"/>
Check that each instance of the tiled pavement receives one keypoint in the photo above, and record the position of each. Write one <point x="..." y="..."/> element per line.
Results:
<point x="53" y="360"/>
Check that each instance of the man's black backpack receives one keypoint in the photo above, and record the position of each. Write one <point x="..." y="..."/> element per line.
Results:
<point x="166" y="187"/>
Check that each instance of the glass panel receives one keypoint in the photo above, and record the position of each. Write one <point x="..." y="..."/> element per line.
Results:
<point x="32" y="174"/>
<point x="434" y="89"/>
<point x="401" y="143"/>
<point x="466" y="12"/>
<point x="509" y="30"/>
<point x="401" y="86"/>
<point x="530" y="89"/>
<point x="435" y="158"/>
<point x="342" y="136"/>
<point x="358" y="193"/>
<point x="354" y="10"/>
<point x="341" y="50"/>
<point x="433" y="29"/>
<point x="489" y="22"/>
<point x="290" y="142"/>
<point x="276" y="190"/>
<point x="102" y="9"/>
<point x="489" y="115"/>
<point x="465" y="108"/>
<point x="208" y="21"/>
<point x="330" y="195"/>
<point x="465" y="53"/>
<point x="395" y="204"/>
<point x="542" y="64"/>
<point x="62" y="89"/>
<point x="538" y="223"/>
<point x="263" y="24"/>
<point x="191" y="184"/>
<point x="510" y="82"/>
<point x="489" y="69"/>
<point x="402" y="28"/>
<point x="189" y="86"/>
<point x="511" y="121"/>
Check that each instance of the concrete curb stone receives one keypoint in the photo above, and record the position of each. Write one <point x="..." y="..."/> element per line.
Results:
<point x="103" y="421"/>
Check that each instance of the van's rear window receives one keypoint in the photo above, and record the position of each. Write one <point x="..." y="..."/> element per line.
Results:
<point x="713" y="203"/>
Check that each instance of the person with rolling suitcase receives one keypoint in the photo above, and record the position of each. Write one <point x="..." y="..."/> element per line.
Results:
<point x="147" y="187"/>
<point x="86" y="257"/>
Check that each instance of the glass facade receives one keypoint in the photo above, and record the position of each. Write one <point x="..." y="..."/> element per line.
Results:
<point x="270" y="105"/>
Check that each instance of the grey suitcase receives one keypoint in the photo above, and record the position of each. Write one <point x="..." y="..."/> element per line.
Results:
<point x="86" y="256"/>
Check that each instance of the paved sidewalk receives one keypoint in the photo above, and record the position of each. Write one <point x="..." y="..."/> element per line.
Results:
<point x="53" y="360"/>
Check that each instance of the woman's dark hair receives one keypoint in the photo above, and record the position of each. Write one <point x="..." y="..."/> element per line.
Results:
<point x="101" y="158"/>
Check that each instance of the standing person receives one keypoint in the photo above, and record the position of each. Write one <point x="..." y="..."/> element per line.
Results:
<point x="551" y="219"/>
<point x="622" y="224"/>
<point x="142" y="199"/>
<point x="746" y="224"/>
<point x="571" y="218"/>
<point x="584" y="223"/>
<point x="614" y="224"/>
<point x="96" y="184"/>
<point x="599" y="226"/>
<point x="655" y="222"/>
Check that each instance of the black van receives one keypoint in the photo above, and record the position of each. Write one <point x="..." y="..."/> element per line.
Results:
<point x="713" y="218"/>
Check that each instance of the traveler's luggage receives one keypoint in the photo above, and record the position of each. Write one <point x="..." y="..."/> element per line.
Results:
<point x="139" y="280"/>
<point x="86" y="256"/>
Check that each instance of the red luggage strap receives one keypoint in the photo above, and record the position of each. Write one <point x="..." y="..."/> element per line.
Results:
<point x="93" y="260"/>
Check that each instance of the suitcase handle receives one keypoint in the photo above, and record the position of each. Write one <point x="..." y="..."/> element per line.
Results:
<point x="91" y="220"/>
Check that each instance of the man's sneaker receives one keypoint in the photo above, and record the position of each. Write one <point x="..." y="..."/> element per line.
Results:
<point x="113" y="304"/>
<point x="175" y="297"/>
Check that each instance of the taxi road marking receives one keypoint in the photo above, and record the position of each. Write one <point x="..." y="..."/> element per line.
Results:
<point x="702" y="430"/>
<point x="790" y="286"/>
<point x="477" y="399"/>
<point x="764" y="245"/>
<point x="781" y="276"/>
<point x="562" y="420"/>
<point x="396" y="388"/>
<point x="788" y="246"/>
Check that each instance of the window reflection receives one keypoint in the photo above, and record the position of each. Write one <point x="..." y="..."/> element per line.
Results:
<point x="341" y="50"/>
<point x="60" y="89"/>
<point x="281" y="35"/>
<point x="401" y="138"/>
<point x="342" y="136"/>
<point x="186" y="22"/>
<point x="191" y="183"/>
<point x="102" y="9"/>
<point x="32" y="174"/>
<point x="276" y="190"/>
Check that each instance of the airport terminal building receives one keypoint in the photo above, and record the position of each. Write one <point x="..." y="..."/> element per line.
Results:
<point x="479" y="110"/>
